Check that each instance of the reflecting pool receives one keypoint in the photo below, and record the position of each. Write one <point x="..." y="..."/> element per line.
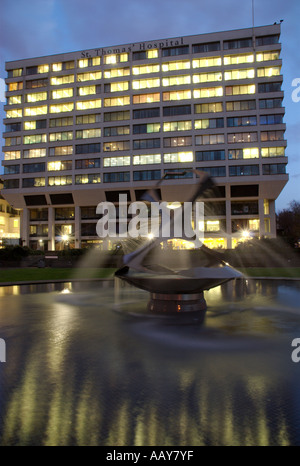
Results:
<point x="85" y="365"/>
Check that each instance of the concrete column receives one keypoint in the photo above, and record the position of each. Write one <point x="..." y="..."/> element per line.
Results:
<point x="228" y="224"/>
<point x="24" y="227"/>
<point x="77" y="227"/>
<point x="261" y="215"/>
<point x="272" y="219"/>
<point x="51" y="228"/>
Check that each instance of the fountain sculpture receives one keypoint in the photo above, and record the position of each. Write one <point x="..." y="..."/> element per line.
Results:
<point x="176" y="289"/>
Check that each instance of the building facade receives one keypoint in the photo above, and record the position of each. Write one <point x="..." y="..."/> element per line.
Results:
<point x="82" y="127"/>
<point x="9" y="222"/>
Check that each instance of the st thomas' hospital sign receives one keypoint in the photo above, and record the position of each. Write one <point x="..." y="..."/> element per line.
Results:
<point x="140" y="46"/>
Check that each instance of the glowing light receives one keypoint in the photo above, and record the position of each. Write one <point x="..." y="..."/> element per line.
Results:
<point x="174" y="205"/>
<point x="245" y="234"/>
<point x="65" y="238"/>
<point x="150" y="236"/>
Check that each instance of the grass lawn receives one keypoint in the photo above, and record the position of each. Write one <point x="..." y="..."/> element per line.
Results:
<point x="49" y="273"/>
<point x="287" y="272"/>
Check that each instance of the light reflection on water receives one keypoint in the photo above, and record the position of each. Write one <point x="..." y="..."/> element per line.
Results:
<point x="82" y="371"/>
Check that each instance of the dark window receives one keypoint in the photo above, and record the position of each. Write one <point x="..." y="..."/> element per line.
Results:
<point x="41" y="124"/>
<point x="11" y="169"/>
<point x="267" y="40"/>
<point x="244" y="170"/>
<point x="250" y="190"/>
<point x="39" y="199"/>
<point x="146" y="175"/>
<point x="113" y="196"/>
<point x="141" y="194"/>
<point x="274" y="169"/>
<point x="88" y="229"/>
<point x="116" y="177"/>
<point x="270" y="103"/>
<point x="64" y="213"/>
<point x="33" y="167"/>
<point x="207" y="47"/>
<point x="11" y="184"/>
<point x="139" y="55"/>
<point x="57" y="199"/>
<point x="269" y="87"/>
<point x="31" y="70"/>
<point x="87" y="163"/>
<point x="38" y="214"/>
<point x="202" y="156"/>
<point x="36" y="83"/>
<point x="146" y="113"/>
<point x="237" y="43"/>
<point x="271" y="119"/>
<point x="116" y="116"/>
<point x="174" y="51"/>
<point x="177" y="110"/>
<point x="88" y="213"/>
<point x="241" y="121"/>
<point x="146" y="144"/>
<point x="244" y="208"/>
<point x="13" y="127"/>
<point x="214" y="208"/>
<point x="87" y="148"/>
<point x="177" y="173"/>
<point x="214" y="171"/>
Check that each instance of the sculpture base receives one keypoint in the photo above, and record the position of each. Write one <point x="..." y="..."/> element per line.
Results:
<point x="176" y="303"/>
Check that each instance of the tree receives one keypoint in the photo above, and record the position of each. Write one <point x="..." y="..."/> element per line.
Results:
<point x="288" y="221"/>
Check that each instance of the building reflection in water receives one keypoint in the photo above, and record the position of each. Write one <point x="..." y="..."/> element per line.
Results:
<point x="78" y="373"/>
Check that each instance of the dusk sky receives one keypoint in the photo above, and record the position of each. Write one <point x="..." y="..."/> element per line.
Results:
<point x="30" y="28"/>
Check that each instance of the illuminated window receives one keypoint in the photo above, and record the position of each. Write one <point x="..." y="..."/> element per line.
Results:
<point x="34" y="153"/>
<point x="17" y="86"/>
<point x="178" y="141"/>
<point x="177" y="125"/>
<point x="16" y="141"/>
<point x="17" y="72"/>
<point x="59" y="80"/>
<point x="268" y="72"/>
<point x="152" y="53"/>
<point x="88" y="90"/>
<point x="176" y="80"/>
<point x="117" y="101"/>
<point x="210" y="123"/>
<point x="272" y="151"/>
<point x="12" y="155"/>
<point x="253" y="224"/>
<point x="233" y="138"/>
<point x="36" y="83"/>
<point x="56" y="66"/>
<point x="33" y="182"/>
<point x="181" y="157"/>
<point x="239" y="90"/>
<point x="91" y="178"/>
<point x="207" y="77"/>
<point x="14" y="99"/>
<point x="88" y="133"/>
<point x="145" y="69"/>
<point x="146" y="159"/>
<point x="238" y="59"/>
<point x="212" y="225"/>
<point x="209" y="108"/>
<point x="251" y="153"/>
<point x="59" y="165"/>
<point x="36" y="96"/>
<point x="60" y="150"/>
<point x="62" y="136"/>
<point x="62" y="93"/>
<point x="176" y="65"/>
<point x="239" y="74"/>
<point x="145" y="83"/>
<point x="35" y="139"/>
<point x="83" y="63"/>
<point x="266" y="207"/>
<point x="116" y="161"/>
<point x="209" y="139"/>
<point x="60" y="180"/>
<point x="43" y="69"/>
<point x="115" y="146"/>
<point x="116" y="131"/>
<point x="16" y="223"/>
<point x="60" y="108"/>
<point x="88" y="104"/>
<point x="267" y="56"/>
<point x="116" y="73"/>
<point x="146" y="128"/>
<point x="117" y="58"/>
<point x="117" y="86"/>
<point x="57" y="122"/>
<point x="238" y="105"/>
<point x="206" y="62"/>
<point x="92" y="76"/>
<point x="241" y="121"/>
<point x="32" y="111"/>
<point x="272" y="136"/>
<point x="177" y="95"/>
<point x="15" y="113"/>
<point x="146" y="98"/>
<point x="208" y="92"/>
